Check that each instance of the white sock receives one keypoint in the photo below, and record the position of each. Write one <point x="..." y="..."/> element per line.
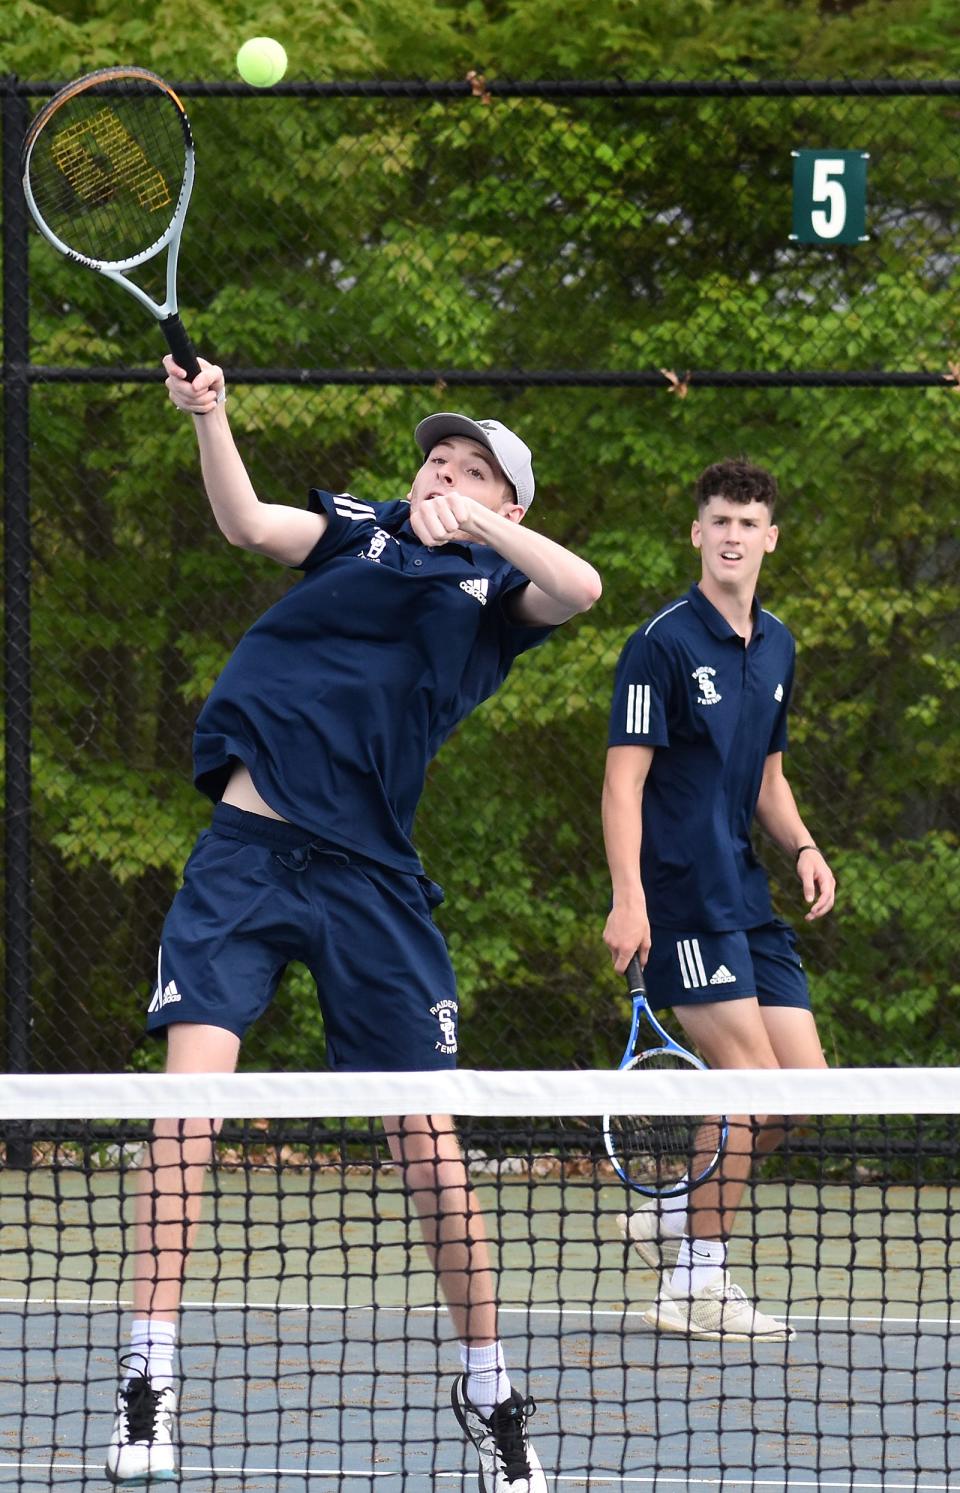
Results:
<point x="673" y="1214"/>
<point x="152" y="1346"/>
<point x="488" y="1383"/>
<point x="700" y="1263"/>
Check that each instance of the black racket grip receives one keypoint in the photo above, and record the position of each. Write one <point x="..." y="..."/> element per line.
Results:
<point x="180" y="345"/>
<point x="634" y="975"/>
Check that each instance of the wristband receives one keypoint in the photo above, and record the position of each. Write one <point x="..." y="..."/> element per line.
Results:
<point x="803" y="848"/>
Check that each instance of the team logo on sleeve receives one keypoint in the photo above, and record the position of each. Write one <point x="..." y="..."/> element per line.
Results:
<point x="446" y="1013"/>
<point x="708" y="691"/>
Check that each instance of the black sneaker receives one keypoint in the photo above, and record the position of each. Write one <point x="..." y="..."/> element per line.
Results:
<point x="508" y="1463"/>
<point x="142" y="1446"/>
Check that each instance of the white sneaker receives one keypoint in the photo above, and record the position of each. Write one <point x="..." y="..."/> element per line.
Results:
<point x="718" y="1311"/>
<point x="141" y="1446"/>
<point x="644" y="1230"/>
<point x="508" y="1463"/>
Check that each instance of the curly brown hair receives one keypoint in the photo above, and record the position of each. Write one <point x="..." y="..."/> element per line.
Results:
<point x="739" y="480"/>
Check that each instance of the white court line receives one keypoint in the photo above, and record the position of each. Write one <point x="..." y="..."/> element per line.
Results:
<point x="585" y="1479"/>
<point x="206" y="1471"/>
<point x="656" y="1480"/>
<point x="616" y="1313"/>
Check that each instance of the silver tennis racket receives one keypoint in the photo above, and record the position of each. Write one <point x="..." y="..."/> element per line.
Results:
<point x="107" y="168"/>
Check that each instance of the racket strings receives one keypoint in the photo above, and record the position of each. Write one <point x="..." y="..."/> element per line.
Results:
<point x="658" y="1149"/>
<point x="107" y="171"/>
<point x="663" y="1148"/>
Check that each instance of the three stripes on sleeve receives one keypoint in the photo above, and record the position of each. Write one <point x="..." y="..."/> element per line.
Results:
<point x="638" y="710"/>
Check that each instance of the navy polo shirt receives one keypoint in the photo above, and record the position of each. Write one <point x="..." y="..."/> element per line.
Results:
<point x="340" y="695"/>
<point x="714" y="708"/>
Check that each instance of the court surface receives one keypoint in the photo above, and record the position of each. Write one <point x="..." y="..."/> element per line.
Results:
<point x="328" y="1334"/>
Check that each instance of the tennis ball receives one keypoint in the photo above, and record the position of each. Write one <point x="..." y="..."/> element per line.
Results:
<point x="261" y="61"/>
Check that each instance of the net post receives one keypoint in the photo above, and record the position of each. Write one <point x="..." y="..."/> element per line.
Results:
<point x="16" y="646"/>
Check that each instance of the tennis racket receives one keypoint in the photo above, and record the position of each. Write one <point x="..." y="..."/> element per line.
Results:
<point x="660" y="1155"/>
<point x="107" y="171"/>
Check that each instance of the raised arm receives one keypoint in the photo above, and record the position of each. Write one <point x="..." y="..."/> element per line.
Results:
<point x="777" y="813"/>
<point x="627" y="931"/>
<point x="284" y="534"/>
<point x="561" y="584"/>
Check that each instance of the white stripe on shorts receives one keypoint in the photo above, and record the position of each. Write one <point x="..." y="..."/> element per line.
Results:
<point x="691" y="963"/>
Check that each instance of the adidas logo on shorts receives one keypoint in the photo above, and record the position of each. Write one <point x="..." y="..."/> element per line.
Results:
<point x="164" y="997"/>
<point x="722" y="976"/>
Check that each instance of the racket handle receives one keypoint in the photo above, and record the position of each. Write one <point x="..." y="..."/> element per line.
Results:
<point x="634" y="975"/>
<point x="180" y="345"/>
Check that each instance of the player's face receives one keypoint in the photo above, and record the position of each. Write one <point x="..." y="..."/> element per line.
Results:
<point x="458" y="464"/>
<point x="732" y="539"/>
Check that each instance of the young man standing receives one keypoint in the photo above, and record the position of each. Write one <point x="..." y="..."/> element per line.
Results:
<point x="697" y="735"/>
<point x="314" y="745"/>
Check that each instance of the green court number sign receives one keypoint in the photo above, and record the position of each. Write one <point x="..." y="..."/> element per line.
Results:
<point x="829" y="196"/>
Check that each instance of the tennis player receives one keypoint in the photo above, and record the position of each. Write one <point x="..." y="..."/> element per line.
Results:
<point x="314" y="745"/>
<point x="698" y="729"/>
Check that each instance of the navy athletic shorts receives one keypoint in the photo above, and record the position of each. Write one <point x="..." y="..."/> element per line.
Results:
<point x="258" y="893"/>
<point x="692" y="968"/>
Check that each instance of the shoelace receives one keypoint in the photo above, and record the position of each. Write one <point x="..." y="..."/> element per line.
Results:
<point x="142" y="1408"/>
<point x="509" y="1433"/>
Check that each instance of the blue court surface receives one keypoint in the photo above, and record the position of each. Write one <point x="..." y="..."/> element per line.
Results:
<point x="314" y="1356"/>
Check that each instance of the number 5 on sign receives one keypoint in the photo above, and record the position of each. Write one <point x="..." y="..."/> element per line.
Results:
<point x="829" y="196"/>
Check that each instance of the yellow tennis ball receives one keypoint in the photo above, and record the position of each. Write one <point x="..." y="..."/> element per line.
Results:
<point x="261" y="61"/>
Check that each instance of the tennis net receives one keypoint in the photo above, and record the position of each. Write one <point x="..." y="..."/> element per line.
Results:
<point x="314" y="1349"/>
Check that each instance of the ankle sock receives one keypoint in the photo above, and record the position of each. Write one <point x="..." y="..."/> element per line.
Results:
<point x="488" y="1383"/>
<point x="152" y="1346"/>
<point x="700" y="1263"/>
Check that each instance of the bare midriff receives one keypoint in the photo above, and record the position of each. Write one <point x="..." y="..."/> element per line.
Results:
<point x="241" y="793"/>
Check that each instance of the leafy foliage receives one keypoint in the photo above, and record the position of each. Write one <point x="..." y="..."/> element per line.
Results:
<point x="591" y="235"/>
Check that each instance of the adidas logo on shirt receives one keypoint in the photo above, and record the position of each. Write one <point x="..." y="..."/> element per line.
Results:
<point x="778" y="693"/>
<point x="476" y="589"/>
<point x="164" y="997"/>
<point x="722" y="976"/>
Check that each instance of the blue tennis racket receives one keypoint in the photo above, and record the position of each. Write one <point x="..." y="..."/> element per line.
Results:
<point x="660" y="1155"/>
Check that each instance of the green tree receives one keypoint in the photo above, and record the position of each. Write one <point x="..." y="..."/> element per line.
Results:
<point x="598" y="236"/>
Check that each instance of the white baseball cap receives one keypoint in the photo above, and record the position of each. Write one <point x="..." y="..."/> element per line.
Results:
<point x="513" y="455"/>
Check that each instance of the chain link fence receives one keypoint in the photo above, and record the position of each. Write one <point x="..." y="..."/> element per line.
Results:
<point x="609" y="268"/>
